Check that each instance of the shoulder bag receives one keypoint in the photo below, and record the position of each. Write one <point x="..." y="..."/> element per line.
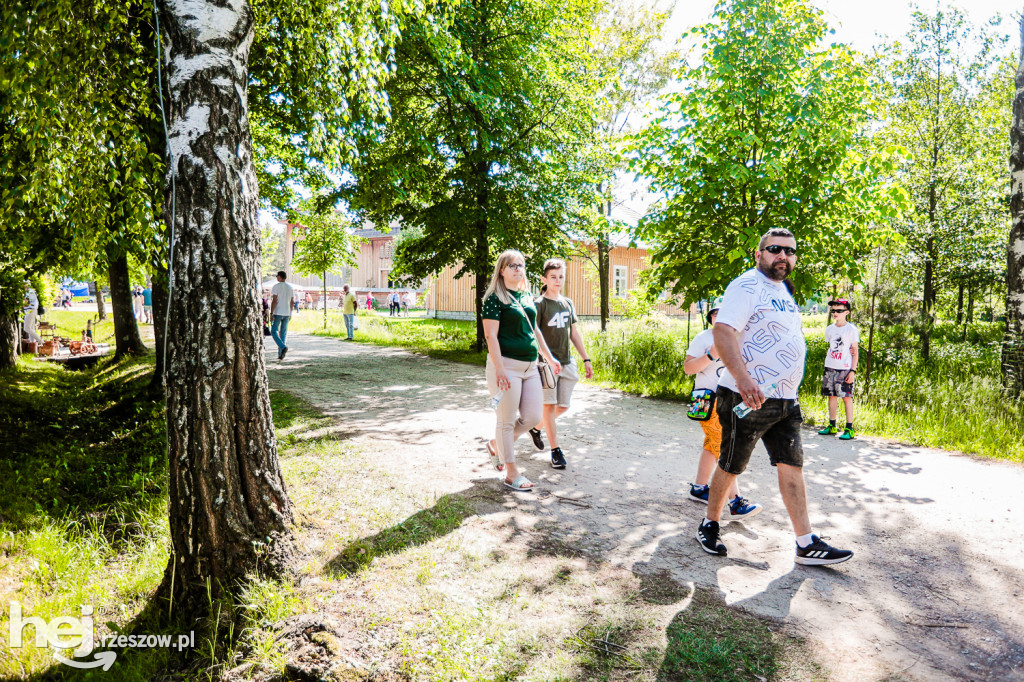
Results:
<point x="701" y="405"/>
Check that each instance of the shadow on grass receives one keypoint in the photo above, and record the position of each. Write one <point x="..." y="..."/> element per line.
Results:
<point x="426" y="525"/>
<point x="79" y="443"/>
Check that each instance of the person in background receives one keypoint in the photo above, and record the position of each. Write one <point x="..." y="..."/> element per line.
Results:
<point x="147" y="304"/>
<point x="703" y="361"/>
<point x="509" y="318"/>
<point x="281" y="298"/>
<point x="558" y="324"/>
<point x="348" y="309"/>
<point x="841" y="360"/>
<point x="369" y="301"/>
<point x="31" y="309"/>
<point x="137" y="303"/>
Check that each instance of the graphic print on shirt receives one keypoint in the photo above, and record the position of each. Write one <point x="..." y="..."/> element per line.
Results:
<point x="560" y="320"/>
<point x="835" y="350"/>
<point x="772" y="344"/>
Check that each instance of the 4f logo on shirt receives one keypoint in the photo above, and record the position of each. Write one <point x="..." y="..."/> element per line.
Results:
<point x="559" y="320"/>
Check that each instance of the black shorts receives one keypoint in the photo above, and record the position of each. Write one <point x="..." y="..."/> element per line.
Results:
<point x="776" y="424"/>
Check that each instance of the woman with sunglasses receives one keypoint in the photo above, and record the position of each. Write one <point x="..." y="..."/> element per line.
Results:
<point x="510" y="319"/>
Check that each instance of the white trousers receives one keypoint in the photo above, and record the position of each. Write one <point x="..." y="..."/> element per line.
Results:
<point x="521" y="407"/>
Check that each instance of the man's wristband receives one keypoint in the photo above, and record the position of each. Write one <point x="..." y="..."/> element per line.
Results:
<point x="586" y="359"/>
<point x="712" y="359"/>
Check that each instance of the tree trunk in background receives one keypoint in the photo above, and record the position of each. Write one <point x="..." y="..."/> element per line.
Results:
<point x="229" y="511"/>
<point x="604" y="265"/>
<point x="928" y="301"/>
<point x="101" y="311"/>
<point x="9" y="337"/>
<point x="126" y="327"/>
<point x="159" y="287"/>
<point x="482" y="280"/>
<point x="970" y="306"/>
<point x="960" y="305"/>
<point x="1013" y="340"/>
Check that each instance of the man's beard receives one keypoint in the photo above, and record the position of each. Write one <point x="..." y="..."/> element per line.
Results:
<point x="776" y="271"/>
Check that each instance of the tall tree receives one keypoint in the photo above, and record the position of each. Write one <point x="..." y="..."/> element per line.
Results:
<point x="229" y="509"/>
<point x="763" y="131"/>
<point x="932" y="89"/>
<point x="326" y="244"/>
<point x="631" y="68"/>
<point x="1013" y="343"/>
<point x="490" y="119"/>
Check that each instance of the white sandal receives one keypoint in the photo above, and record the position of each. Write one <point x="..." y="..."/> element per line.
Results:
<point x="517" y="484"/>
<point x="495" y="458"/>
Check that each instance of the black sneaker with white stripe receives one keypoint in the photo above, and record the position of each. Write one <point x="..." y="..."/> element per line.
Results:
<point x="707" y="536"/>
<point x="820" y="553"/>
<point x="538" y="442"/>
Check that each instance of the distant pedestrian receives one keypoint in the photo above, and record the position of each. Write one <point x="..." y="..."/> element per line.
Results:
<point x="281" y="298"/>
<point x="509" y="318"/>
<point x="295" y="301"/>
<point x="348" y="310"/>
<point x="841" y="360"/>
<point x="702" y="360"/>
<point x="137" y="303"/>
<point x="147" y="305"/>
<point x="759" y="337"/>
<point x="30" y="307"/>
<point x="369" y="301"/>
<point x="393" y="304"/>
<point x="558" y="324"/>
<point x="406" y="302"/>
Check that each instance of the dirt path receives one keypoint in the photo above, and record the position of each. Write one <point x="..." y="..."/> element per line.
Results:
<point x="934" y="591"/>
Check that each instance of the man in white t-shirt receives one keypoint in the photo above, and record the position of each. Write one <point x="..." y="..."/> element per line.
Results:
<point x="702" y="360"/>
<point x="841" y="359"/>
<point x="281" y="297"/>
<point x="759" y="337"/>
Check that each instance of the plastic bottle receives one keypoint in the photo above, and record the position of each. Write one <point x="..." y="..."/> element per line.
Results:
<point x="496" y="400"/>
<point x="742" y="410"/>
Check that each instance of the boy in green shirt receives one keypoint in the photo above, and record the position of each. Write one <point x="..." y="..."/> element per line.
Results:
<point x="556" y="321"/>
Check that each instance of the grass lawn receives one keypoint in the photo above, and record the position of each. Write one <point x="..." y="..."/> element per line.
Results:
<point x="425" y="587"/>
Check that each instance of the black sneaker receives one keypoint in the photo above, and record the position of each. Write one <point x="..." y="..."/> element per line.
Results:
<point x="820" y="553"/>
<point x="285" y="350"/>
<point x="707" y="536"/>
<point x="538" y="442"/>
<point x="557" y="459"/>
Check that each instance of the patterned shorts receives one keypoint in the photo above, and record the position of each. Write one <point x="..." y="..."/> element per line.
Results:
<point x="833" y="386"/>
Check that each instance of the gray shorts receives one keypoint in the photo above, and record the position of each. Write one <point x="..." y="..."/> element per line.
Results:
<point x="565" y="382"/>
<point x="832" y="385"/>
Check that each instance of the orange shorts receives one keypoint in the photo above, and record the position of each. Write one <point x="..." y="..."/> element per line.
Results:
<point x="712" y="433"/>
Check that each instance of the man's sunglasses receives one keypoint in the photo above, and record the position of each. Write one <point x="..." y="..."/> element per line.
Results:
<point x="775" y="249"/>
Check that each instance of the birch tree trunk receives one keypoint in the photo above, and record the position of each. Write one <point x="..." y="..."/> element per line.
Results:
<point x="1013" y="342"/>
<point x="229" y="510"/>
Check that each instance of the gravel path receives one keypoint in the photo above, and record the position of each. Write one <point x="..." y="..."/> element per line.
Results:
<point x="934" y="591"/>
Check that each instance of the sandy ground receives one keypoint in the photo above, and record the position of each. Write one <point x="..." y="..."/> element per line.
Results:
<point x="934" y="591"/>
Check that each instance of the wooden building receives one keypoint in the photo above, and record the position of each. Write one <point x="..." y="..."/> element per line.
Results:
<point x="453" y="298"/>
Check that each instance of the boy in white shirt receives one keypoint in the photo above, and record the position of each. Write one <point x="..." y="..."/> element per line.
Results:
<point x="840" y="367"/>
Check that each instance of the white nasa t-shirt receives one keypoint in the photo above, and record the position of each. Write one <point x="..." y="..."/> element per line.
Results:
<point x="840" y="339"/>
<point x="709" y="376"/>
<point x="772" y="339"/>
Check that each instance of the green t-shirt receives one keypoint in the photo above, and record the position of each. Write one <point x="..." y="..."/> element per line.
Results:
<point x="515" y="325"/>
<point x="555" y="320"/>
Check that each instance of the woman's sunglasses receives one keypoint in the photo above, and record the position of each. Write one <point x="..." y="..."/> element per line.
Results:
<point x="775" y="249"/>
<point x="516" y="266"/>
